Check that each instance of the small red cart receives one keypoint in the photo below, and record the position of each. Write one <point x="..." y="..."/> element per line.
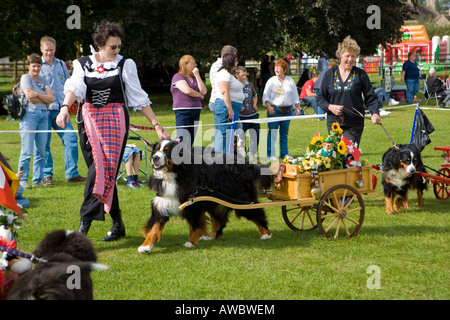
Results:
<point x="441" y="181"/>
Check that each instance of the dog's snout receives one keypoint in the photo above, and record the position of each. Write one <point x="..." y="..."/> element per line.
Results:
<point x="155" y="157"/>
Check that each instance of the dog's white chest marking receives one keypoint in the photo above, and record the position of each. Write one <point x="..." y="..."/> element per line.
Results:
<point x="397" y="177"/>
<point x="167" y="202"/>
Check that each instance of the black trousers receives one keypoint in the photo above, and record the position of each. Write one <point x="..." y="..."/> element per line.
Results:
<point x="92" y="208"/>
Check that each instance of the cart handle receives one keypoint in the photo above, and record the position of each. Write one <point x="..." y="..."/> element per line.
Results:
<point x="440" y="178"/>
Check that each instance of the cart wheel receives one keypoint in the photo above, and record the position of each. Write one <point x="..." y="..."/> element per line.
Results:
<point x="341" y="206"/>
<point x="298" y="218"/>
<point x="440" y="188"/>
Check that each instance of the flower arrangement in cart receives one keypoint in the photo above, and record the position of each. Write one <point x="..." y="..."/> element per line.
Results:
<point x="334" y="152"/>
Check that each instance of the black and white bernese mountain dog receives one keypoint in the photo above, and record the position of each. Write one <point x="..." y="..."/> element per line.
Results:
<point x="399" y="175"/>
<point x="181" y="172"/>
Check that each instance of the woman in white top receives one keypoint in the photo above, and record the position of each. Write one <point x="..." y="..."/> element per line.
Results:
<point x="228" y="102"/>
<point x="107" y="82"/>
<point x="280" y="94"/>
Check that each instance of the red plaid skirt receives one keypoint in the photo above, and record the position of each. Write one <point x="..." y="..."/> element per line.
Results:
<point x="105" y="129"/>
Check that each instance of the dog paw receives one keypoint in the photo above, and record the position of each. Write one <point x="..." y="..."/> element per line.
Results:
<point x="206" y="238"/>
<point x="266" y="236"/>
<point x="189" y="245"/>
<point x="145" y="249"/>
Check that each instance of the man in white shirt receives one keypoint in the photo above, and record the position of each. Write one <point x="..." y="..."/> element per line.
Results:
<point x="213" y="73"/>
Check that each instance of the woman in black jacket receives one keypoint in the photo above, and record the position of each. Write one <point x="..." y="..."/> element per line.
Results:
<point x="345" y="91"/>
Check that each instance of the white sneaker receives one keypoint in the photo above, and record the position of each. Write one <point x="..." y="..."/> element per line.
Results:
<point x="393" y="102"/>
<point x="273" y="158"/>
<point x="24" y="184"/>
<point x="384" y="112"/>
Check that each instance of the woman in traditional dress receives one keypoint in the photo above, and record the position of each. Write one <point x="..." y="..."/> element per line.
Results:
<point x="109" y="84"/>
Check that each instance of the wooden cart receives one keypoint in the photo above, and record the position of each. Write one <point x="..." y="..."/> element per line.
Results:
<point x="334" y="197"/>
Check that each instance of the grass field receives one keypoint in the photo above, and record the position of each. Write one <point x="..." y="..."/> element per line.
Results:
<point x="409" y="248"/>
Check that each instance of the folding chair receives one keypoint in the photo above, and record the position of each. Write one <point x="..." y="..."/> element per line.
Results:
<point x="144" y="159"/>
<point x="429" y="96"/>
<point x="305" y="107"/>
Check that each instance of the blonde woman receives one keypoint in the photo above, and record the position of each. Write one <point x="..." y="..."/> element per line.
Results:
<point x="188" y="91"/>
<point x="342" y="92"/>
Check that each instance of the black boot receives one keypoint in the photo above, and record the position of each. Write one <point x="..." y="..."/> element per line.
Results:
<point x="118" y="228"/>
<point x="84" y="227"/>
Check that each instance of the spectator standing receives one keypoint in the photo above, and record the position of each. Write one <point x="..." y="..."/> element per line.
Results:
<point x="215" y="67"/>
<point x="37" y="95"/>
<point x="228" y="102"/>
<point x="55" y="72"/>
<point x="279" y="96"/>
<point x="249" y="112"/>
<point x="411" y="76"/>
<point x="187" y="90"/>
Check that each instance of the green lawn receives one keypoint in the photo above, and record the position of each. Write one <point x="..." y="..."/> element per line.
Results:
<point x="410" y="248"/>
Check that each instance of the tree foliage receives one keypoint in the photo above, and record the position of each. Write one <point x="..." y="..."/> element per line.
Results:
<point x="161" y="31"/>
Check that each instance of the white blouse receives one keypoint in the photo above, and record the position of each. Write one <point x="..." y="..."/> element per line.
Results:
<point x="137" y="98"/>
<point x="279" y="94"/>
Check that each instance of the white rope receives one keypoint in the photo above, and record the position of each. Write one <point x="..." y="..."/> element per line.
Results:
<point x="262" y="120"/>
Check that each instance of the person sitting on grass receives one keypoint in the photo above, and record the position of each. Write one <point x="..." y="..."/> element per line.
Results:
<point x="132" y="158"/>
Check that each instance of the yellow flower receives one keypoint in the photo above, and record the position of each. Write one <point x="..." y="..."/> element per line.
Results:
<point x="286" y="160"/>
<point x="316" y="141"/>
<point x="336" y="128"/>
<point x="342" y="148"/>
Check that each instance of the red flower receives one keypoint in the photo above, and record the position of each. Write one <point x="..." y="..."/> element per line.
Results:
<point x="9" y="244"/>
<point x="100" y="69"/>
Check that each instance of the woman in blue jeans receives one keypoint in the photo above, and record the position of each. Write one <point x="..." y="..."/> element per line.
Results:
<point x="37" y="94"/>
<point x="280" y="94"/>
<point x="411" y="76"/>
<point x="228" y="103"/>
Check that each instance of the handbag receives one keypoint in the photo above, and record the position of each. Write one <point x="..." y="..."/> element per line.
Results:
<point x="283" y="109"/>
<point x="16" y="108"/>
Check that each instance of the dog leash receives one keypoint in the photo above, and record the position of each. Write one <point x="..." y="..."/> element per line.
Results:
<point x="395" y="146"/>
<point x="148" y="143"/>
<point x="21" y="254"/>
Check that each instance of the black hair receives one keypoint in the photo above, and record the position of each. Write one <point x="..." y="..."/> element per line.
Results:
<point x="104" y="30"/>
